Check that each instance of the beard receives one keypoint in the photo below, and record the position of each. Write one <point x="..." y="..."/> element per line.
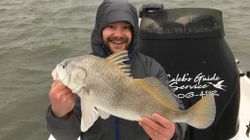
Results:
<point x="114" y="43"/>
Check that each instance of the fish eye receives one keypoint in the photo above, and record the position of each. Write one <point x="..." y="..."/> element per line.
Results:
<point x="64" y="66"/>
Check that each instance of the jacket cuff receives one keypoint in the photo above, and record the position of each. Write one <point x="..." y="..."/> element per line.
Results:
<point x="180" y="130"/>
<point x="55" y="122"/>
<point x="174" y="137"/>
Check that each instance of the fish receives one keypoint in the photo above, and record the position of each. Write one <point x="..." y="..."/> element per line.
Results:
<point x="106" y="87"/>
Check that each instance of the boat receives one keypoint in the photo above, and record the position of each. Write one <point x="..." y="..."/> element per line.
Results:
<point x="189" y="43"/>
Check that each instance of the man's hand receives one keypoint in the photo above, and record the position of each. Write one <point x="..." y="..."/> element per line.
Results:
<point x="158" y="128"/>
<point x="62" y="99"/>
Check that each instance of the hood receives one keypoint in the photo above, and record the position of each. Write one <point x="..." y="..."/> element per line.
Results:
<point x="112" y="11"/>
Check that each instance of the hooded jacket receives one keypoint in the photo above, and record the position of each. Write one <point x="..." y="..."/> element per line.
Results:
<point x="112" y="128"/>
<point x="112" y="11"/>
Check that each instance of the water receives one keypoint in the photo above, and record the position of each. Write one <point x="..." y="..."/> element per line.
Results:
<point x="37" y="34"/>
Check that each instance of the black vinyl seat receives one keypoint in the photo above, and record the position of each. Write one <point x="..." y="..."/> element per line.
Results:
<point x="189" y="43"/>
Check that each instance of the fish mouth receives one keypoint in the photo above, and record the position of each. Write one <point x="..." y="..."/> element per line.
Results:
<point x="54" y="75"/>
<point x="58" y="74"/>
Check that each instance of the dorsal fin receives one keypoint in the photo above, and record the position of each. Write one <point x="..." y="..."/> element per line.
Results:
<point x="159" y="91"/>
<point x="118" y="59"/>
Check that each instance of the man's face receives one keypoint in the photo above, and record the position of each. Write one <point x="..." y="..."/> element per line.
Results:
<point x="117" y="36"/>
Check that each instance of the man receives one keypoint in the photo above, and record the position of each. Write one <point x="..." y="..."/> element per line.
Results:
<point x="116" y="29"/>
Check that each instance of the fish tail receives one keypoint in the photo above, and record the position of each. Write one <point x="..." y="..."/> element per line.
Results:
<point x="202" y="114"/>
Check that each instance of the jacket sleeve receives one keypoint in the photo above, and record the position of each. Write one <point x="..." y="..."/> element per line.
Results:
<point x="158" y="71"/>
<point x="65" y="129"/>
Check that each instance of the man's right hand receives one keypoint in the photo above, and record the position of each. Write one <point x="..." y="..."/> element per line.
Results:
<point x="62" y="99"/>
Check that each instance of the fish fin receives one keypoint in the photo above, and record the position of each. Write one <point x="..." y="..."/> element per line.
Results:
<point x="89" y="113"/>
<point x="104" y="115"/>
<point x="202" y="114"/>
<point x="118" y="60"/>
<point x="159" y="91"/>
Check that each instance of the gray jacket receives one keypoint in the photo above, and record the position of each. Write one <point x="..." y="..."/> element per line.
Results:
<point x="141" y="66"/>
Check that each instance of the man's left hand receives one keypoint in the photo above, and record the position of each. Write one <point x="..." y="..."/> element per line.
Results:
<point x="158" y="128"/>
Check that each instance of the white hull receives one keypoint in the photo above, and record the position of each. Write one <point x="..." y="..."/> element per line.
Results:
<point x="244" y="114"/>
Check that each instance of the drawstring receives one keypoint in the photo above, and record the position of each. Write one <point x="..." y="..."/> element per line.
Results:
<point x="117" y="129"/>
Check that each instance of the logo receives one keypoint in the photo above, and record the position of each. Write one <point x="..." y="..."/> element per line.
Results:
<point x="196" y="85"/>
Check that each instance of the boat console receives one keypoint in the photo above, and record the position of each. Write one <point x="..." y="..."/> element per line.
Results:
<point x="189" y="43"/>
